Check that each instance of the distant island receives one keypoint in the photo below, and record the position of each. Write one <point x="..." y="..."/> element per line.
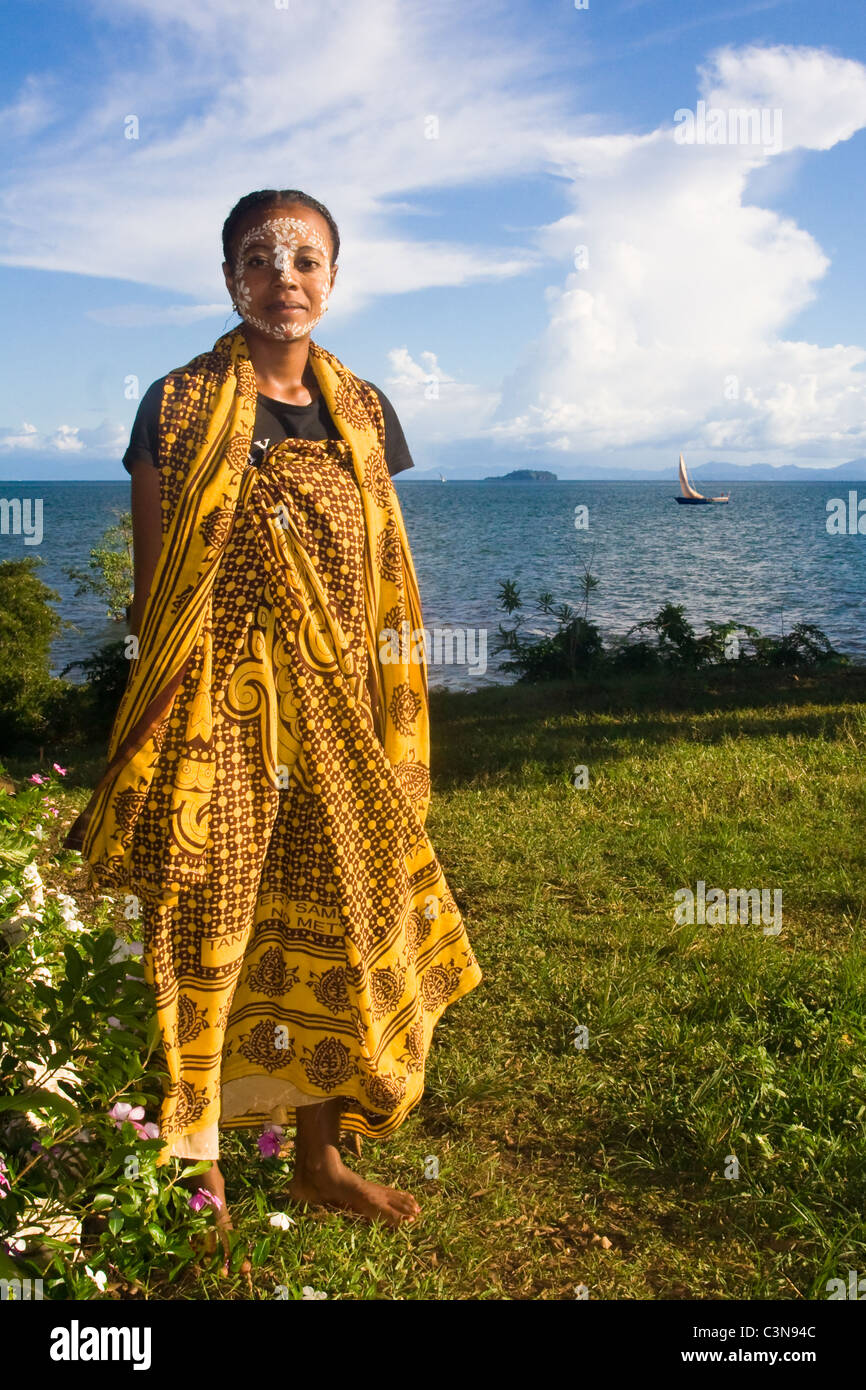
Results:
<point x="523" y="475"/>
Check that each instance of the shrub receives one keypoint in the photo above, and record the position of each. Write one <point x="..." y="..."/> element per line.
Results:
<point x="577" y="647"/>
<point x="82" y="1202"/>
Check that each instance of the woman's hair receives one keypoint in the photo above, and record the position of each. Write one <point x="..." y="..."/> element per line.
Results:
<point x="267" y="197"/>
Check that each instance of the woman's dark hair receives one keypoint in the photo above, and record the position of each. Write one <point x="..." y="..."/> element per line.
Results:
<point x="267" y="197"/>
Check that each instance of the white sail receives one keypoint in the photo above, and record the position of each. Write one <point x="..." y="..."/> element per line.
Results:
<point x="685" y="486"/>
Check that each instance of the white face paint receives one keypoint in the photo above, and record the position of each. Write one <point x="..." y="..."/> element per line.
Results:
<point x="281" y="238"/>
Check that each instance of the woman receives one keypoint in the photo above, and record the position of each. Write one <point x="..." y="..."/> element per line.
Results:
<point x="268" y="776"/>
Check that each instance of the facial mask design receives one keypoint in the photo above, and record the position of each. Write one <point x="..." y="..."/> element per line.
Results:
<point x="283" y="236"/>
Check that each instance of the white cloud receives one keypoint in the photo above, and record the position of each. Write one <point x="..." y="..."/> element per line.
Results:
<point x="26" y="438"/>
<point x="438" y="406"/>
<point x="672" y="333"/>
<point x="107" y="440"/>
<point x="333" y="98"/>
<point x="30" y="112"/>
<point x="673" y="336"/>
<point x="148" y="315"/>
<point x="822" y="97"/>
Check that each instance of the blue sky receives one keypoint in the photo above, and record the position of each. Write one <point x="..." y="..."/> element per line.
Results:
<point x="719" y="305"/>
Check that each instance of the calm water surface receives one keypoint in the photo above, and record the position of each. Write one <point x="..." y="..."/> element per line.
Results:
<point x="765" y="559"/>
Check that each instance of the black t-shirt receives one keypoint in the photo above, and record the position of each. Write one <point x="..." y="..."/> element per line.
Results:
<point x="275" y="421"/>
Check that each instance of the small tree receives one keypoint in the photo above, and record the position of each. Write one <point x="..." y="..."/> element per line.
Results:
<point x="28" y="625"/>
<point x="804" y="645"/>
<point x="574" y="646"/>
<point x="110" y="573"/>
<point x="675" y="636"/>
<point x="588" y="583"/>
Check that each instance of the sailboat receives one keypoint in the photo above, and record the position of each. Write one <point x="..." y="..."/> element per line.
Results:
<point x="442" y="478"/>
<point x="690" y="494"/>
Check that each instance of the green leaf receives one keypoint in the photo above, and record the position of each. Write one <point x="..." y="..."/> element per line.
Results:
<point x="103" y="948"/>
<point x="195" y="1168"/>
<point x="74" y="966"/>
<point x="157" y="1233"/>
<point x="41" y="1100"/>
<point x="115" y="1222"/>
<point x="154" y="1032"/>
<point x="8" y="1268"/>
<point x="262" y="1250"/>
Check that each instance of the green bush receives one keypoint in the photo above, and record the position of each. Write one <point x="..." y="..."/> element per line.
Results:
<point x="576" y="648"/>
<point x="83" y="1202"/>
<point x="107" y="672"/>
<point x="31" y="701"/>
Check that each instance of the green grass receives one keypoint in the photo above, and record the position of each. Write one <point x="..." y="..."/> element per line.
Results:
<point x="606" y="1166"/>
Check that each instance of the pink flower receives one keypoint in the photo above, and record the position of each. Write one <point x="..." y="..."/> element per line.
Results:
<point x="58" y="768"/>
<point x="269" y="1144"/>
<point x="148" y="1131"/>
<point x="122" y="1111"/>
<point x="37" y="778"/>
<point x="203" y="1199"/>
<point x="4" y="1181"/>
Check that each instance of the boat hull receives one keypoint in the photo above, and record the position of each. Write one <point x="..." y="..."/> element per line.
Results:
<point x="693" y="501"/>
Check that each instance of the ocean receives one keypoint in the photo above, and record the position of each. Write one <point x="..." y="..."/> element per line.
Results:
<point x="766" y="559"/>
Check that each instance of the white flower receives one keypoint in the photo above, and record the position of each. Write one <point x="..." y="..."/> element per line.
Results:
<point x="309" y="1292"/>
<point x="282" y="1221"/>
<point x="124" y="949"/>
<point x="32" y="881"/>
<point x="100" y="1278"/>
<point x="14" y="928"/>
<point x="68" y="910"/>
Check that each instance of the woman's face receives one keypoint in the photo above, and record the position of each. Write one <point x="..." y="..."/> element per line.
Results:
<point x="282" y="273"/>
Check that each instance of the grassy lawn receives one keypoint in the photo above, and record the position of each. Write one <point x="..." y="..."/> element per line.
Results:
<point x="605" y="1165"/>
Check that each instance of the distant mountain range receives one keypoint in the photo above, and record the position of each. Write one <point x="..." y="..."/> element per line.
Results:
<point x="717" y="472"/>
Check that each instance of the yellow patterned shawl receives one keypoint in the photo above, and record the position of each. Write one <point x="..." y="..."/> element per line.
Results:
<point x="206" y="429"/>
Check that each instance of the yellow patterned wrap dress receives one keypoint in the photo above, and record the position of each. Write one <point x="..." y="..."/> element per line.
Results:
<point x="300" y="938"/>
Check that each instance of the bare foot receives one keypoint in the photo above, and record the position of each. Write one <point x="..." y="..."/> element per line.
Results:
<point x="327" y="1181"/>
<point x="212" y="1181"/>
